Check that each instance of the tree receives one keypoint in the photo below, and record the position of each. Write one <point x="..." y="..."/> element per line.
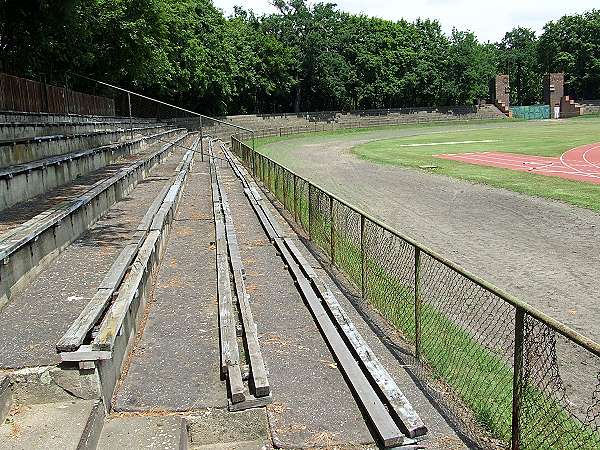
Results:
<point x="518" y="58"/>
<point x="572" y="45"/>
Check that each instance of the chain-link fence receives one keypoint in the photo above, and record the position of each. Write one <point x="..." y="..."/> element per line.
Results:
<point x="497" y="364"/>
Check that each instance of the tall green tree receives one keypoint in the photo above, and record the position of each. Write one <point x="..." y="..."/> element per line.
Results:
<point x="518" y="58"/>
<point x="572" y="45"/>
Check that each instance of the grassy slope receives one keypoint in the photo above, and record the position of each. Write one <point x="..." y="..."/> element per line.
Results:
<point x="548" y="139"/>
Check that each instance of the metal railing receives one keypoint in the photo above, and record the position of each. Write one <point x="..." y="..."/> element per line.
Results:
<point x="134" y="105"/>
<point x="507" y="371"/>
<point x="23" y="95"/>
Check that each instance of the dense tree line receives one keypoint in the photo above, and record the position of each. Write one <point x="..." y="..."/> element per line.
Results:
<point x="304" y="57"/>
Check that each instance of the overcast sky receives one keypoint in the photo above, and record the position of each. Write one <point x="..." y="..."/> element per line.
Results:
<point x="474" y="15"/>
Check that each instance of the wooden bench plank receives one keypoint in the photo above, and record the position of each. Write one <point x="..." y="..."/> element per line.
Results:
<point x="258" y="370"/>
<point x="114" y="318"/>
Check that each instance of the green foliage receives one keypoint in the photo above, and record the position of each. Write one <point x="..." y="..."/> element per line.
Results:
<point x="518" y="58"/>
<point x="304" y="57"/>
<point x="572" y="45"/>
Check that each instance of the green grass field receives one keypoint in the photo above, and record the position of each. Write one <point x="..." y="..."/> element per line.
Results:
<point x="547" y="138"/>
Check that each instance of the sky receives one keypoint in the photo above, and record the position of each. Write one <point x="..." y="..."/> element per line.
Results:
<point x="473" y="15"/>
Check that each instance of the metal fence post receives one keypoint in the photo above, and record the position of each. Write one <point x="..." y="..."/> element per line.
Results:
<point x="295" y="198"/>
<point x="418" y="303"/>
<point x="332" y="229"/>
<point x="285" y="188"/>
<point x="517" y="399"/>
<point x="310" y="218"/>
<point x="363" y="259"/>
<point x="202" y="140"/>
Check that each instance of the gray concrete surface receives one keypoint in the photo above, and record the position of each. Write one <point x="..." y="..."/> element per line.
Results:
<point x="36" y="318"/>
<point x="220" y="429"/>
<point x="175" y="364"/>
<point x="25" y="181"/>
<point x="159" y="433"/>
<point x="44" y="426"/>
<point x="22" y="212"/>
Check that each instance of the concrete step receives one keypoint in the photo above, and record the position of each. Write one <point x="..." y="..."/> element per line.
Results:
<point x="5" y="397"/>
<point x="14" y="152"/>
<point x="28" y="248"/>
<point x="24" y="181"/>
<point x="222" y="430"/>
<point x="29" y="117"/>
<point x="144" y="432"/>
<point x="29" y="130"/>
<point x="61" y="196"/>
<point x="37" y="315"/>
<point x="48" y="425"/>
<point x="167" y="372"/>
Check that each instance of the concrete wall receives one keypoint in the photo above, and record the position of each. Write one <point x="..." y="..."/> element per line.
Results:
<point x="35" y="244"/>
<point x="500" y="90"/>
<point x="590" y="106"/>
<point x="314" y="121"/>
<point x="554" y="89"/>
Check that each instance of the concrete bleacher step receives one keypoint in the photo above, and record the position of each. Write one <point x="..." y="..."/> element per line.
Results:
<point x="55" y="295"/>
<point x="41" y="117"/>
<point x="144" y="432"/>
<point x="26" y="249"/>
<point x="10" y="131"/>
<point x="24" y="181"/>
<point x="59" y="197"/>
<point x="27" y="149"/>
<point x="61" y="425"/>
<point x="182" y="300"/>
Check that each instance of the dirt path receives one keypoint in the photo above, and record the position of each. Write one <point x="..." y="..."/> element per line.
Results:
<point x="543" y="251"/>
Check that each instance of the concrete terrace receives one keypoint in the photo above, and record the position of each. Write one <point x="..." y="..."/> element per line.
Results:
<point x="153" y="297"/>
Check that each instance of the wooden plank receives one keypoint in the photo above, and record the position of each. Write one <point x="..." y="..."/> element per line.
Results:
<point x="384" y="425"/>
<point x="114" y="318"/>
<point x="85" y="353"/>
<point x="229" y="346"/>
<point x="154" y="207"/>
<point x="397" y="402"/>
<point x="81" y="326"/>
<point x="119" y="268"/>
<point x="75" y="335"/>
<point x="236" y="385"/>
<point x="250" y="402"/>
<point x="92" y="312"/>
<point x="257" y="365"/>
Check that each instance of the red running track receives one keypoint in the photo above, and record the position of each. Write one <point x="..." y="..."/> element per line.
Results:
<point x="580" y="163"/>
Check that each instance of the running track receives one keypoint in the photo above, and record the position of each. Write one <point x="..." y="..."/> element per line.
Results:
<point x="580" y="163"/>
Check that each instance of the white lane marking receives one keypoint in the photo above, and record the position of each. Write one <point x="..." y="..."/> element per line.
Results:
<point x="562" y="160"/>
<point x="543" y="169"/>
<point x="585" y="156"/>
<point x="425" y="144"/>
